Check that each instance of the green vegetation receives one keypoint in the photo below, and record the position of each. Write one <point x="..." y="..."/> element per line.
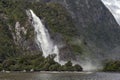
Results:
<point x="68" y="67"/>
<point x="112" y="66"/>
<point x="37" y="63"/>
<point x="6" y="42"/>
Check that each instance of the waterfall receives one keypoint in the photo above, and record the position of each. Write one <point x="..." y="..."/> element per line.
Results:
<point x="43" y="38"/>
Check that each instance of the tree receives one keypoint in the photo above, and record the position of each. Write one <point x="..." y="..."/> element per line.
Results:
<point x="77" y="67"/>
<point x="54" y="67"/>
<point x="8" y="63"/>
<point x="69" y="63"/>
<point x="68" y="66"/>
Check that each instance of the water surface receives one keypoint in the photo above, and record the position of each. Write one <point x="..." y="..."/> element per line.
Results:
<point x="59" y="76"/>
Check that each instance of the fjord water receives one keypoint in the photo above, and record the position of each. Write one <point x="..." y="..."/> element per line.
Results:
<point x="60" y="76"/>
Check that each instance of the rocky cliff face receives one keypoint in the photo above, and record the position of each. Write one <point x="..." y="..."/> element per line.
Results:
<point x="95" y="24"/>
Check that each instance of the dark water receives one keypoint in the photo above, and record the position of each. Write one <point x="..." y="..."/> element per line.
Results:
<point x="60" y="76"/>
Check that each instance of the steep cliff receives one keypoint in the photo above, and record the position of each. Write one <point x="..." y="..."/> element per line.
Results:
<point x="95" y="24"/>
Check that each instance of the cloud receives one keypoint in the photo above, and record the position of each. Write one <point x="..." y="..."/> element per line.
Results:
<point x="114" y="7"/>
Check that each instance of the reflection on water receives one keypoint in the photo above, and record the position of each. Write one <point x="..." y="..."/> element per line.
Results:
<point x="59" y="76"/>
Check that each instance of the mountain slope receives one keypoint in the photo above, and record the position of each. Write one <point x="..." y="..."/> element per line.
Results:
<point x="95" y="24"/>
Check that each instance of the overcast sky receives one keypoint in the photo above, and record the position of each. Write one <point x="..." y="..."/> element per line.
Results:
<point x="114" y="7"/>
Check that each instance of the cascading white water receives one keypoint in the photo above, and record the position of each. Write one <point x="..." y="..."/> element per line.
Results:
<point x="43" y="38"/>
